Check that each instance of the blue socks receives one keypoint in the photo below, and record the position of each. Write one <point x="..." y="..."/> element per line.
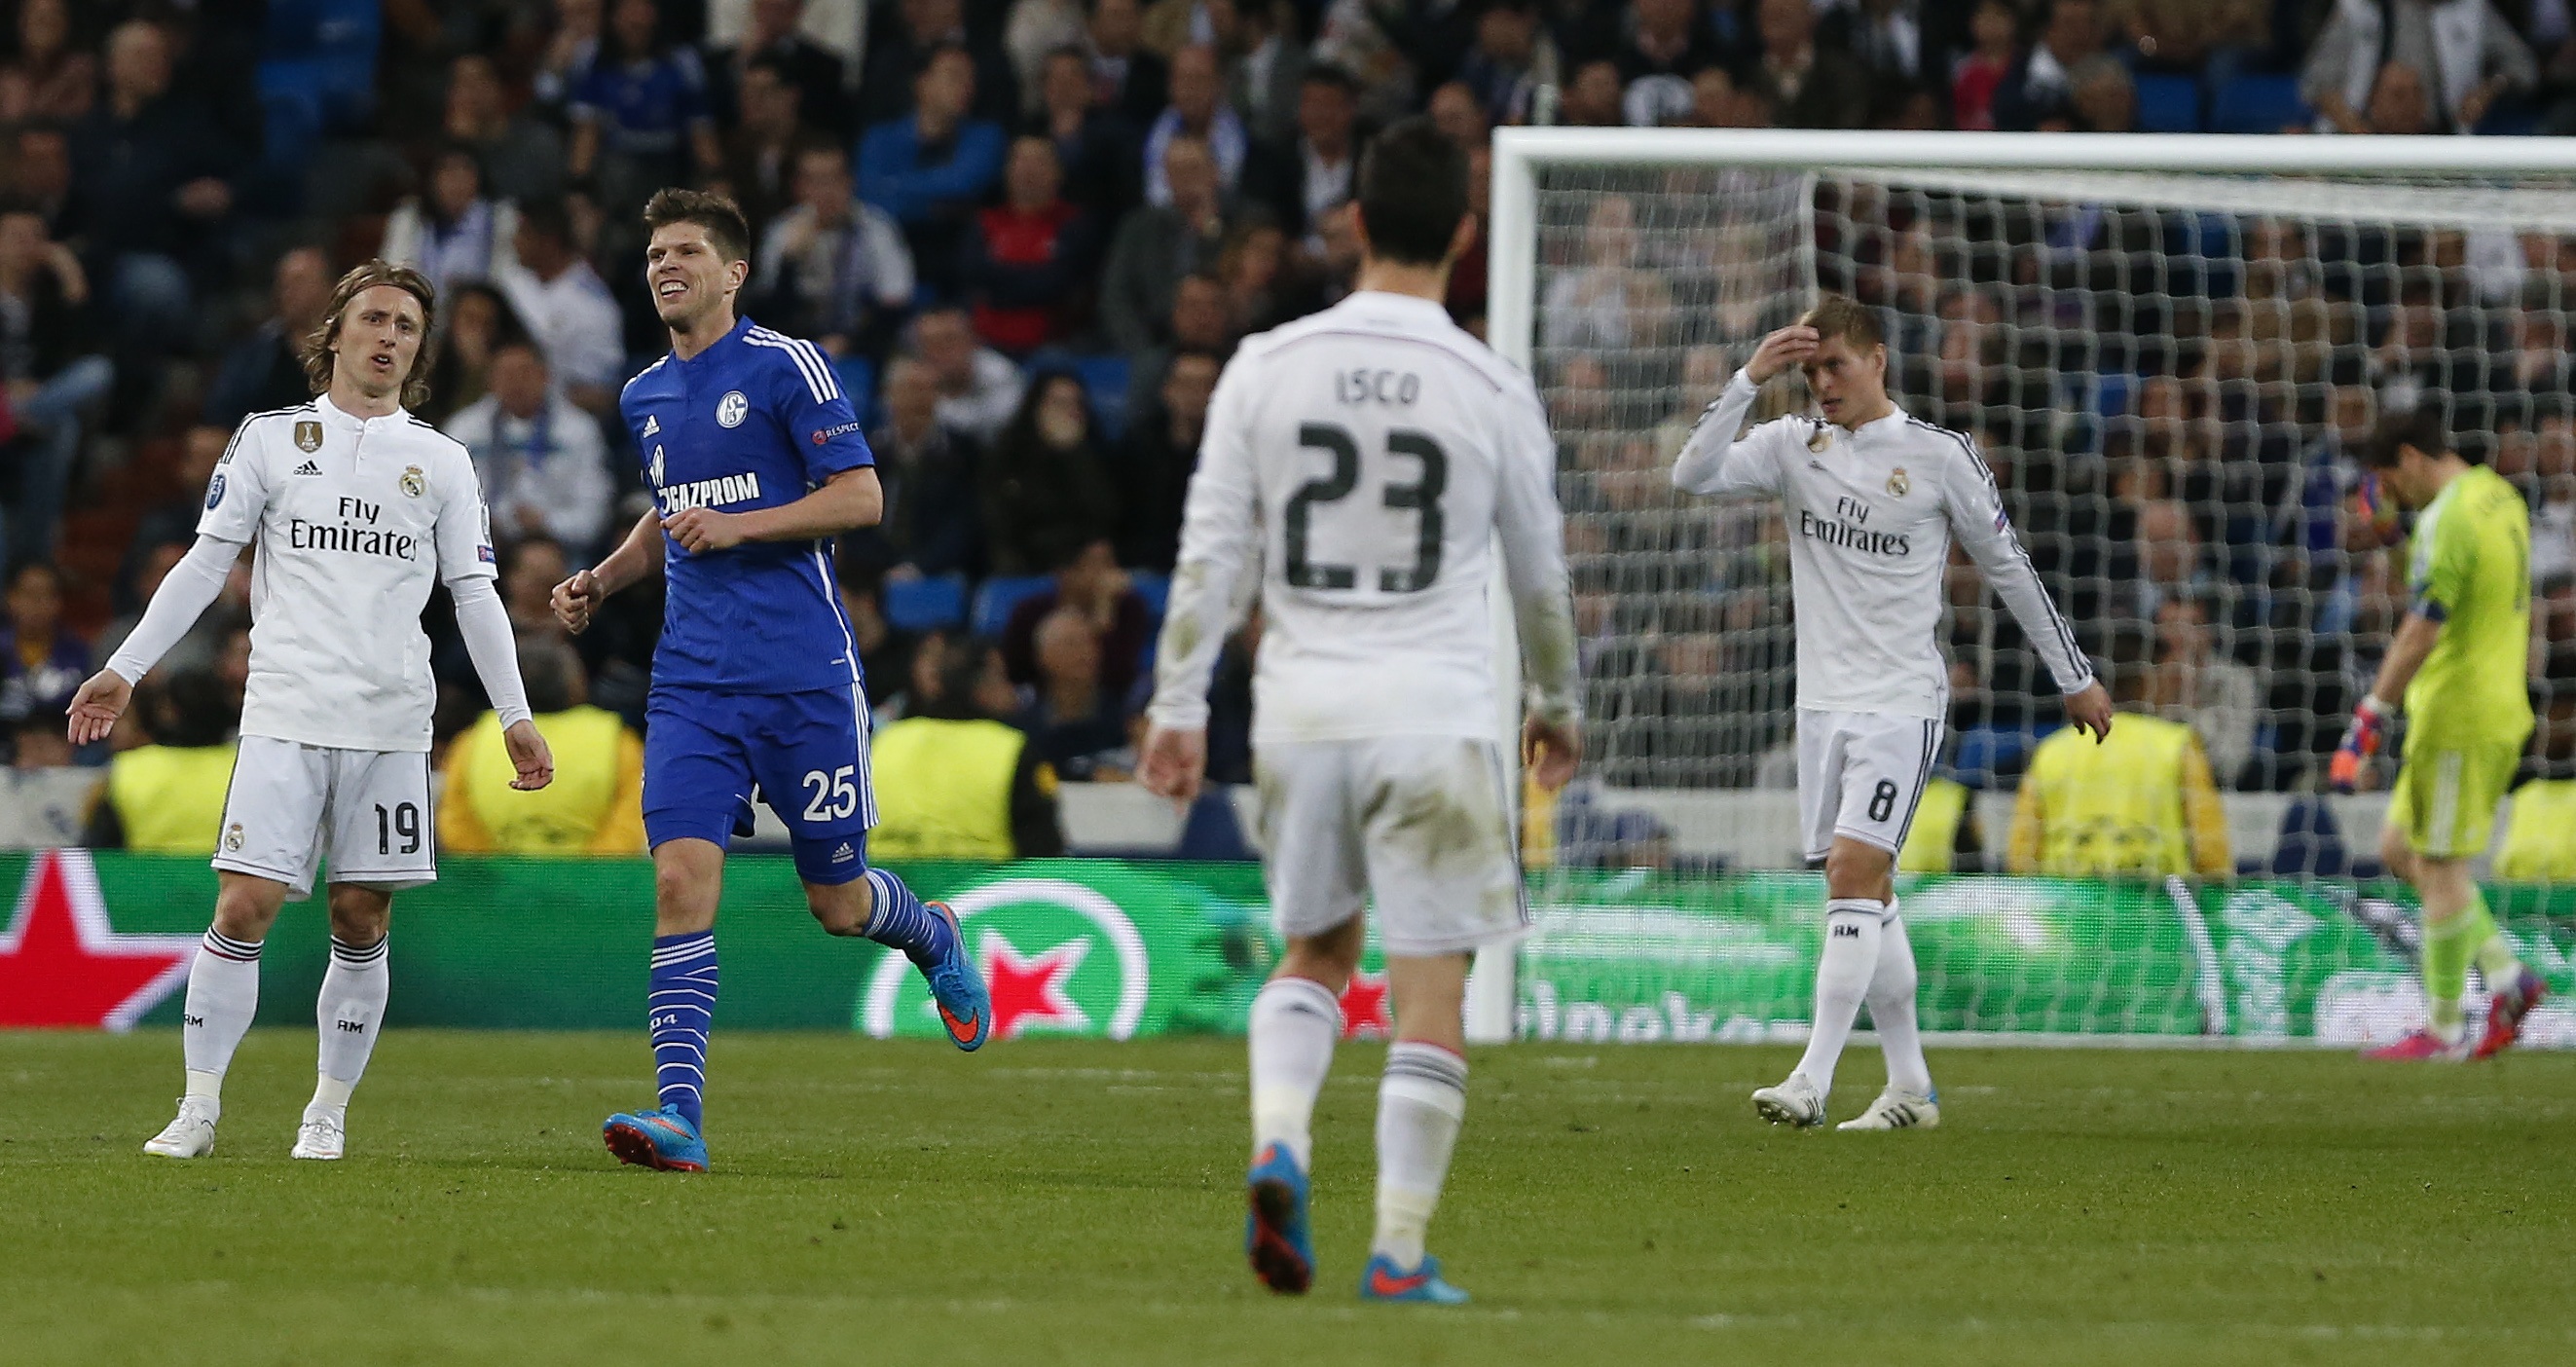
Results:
<point x="683" y="1004"/>
<point x="900" y="921"/>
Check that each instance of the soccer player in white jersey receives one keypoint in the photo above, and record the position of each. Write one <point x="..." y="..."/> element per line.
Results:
<point x="355" y="508"/>
<point x="1357" y="467"/>
<point x="1872" y="498"/>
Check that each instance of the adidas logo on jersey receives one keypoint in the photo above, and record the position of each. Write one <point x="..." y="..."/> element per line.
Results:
<point x="308" y="468"/>
<point x="652" y="424"/>
<point x="844" y="854"/>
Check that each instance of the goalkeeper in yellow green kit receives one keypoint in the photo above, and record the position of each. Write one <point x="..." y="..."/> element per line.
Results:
<point x="2458" y="661"/>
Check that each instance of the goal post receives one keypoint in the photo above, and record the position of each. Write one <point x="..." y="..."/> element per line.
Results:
<point x="2166" y="346"/>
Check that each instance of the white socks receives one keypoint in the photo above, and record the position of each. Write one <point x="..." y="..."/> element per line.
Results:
<point x="1295" y="1023"/>
<point x="1843" y="973"/>
<point x="349" y="1011"/>
<point x="1891" y="1010"/>
<point x="1420" y="1105"/>
<point x="223" y="994"/>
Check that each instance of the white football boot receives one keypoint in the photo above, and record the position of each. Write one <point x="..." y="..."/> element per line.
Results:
<point x="1895" y="1110"/>
<point x="191" y="1135"/>
<point x="322" y="1135"/>
<point x="1796" y="1101"/>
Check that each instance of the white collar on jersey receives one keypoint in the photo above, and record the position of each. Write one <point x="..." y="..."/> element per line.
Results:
<point x="1895" y="420"/>
<point x="1389" y="299"/>
<point x="341" y="418"/>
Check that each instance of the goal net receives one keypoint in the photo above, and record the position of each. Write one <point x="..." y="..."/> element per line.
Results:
<point x="2166" y="349"/>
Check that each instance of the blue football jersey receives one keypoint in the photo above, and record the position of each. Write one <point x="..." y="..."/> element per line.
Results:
<point x="754" y="421"/>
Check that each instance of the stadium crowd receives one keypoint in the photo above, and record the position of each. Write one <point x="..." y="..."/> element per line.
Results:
<point x="1030" y="231"/>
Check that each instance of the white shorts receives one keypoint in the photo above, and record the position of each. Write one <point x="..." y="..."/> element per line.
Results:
<point x="366" y="811"/>
<point x="1417" y="824"/>
<point x="1860" y="774"/>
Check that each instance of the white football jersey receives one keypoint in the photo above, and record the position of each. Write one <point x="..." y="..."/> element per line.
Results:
<point x="1870" y="516"/>
<point x="1357" y="465"/>
<point x="351" y="521"/>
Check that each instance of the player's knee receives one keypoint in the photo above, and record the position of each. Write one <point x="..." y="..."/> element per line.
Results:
<point x="1855" y="869"/>
<point x="1330" y="958"/>
<point x="360" y="916"/>
<point x="243" y="912"/>
<point x="684" y="897"/>
<point x="842" y="908"/>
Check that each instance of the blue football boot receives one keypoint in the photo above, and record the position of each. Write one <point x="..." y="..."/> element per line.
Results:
<point x="965" y="1008"/>
<point x="1384" y="1281"/>
<point x="662" y="1140"/>
<point x="1274" y="1233"/>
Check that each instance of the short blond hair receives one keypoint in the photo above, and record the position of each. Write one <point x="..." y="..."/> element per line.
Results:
<point x="1840" y="315"/>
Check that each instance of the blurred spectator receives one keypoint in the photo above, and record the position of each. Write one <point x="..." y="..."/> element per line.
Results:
<point x="1198" y="113"/>
<point x="1887" y="37"/>
<point x="1034" y="33"/>
<point x="49" y="77"/>
<point x="1593" y="304"/>
<point x="2462" y="56"/>
<point x="885" y="654"/>
<point x="1514" y="57"/>
<point x="1369" y="41"/>
<point x="902" y="38"/>
<point x="542" y="462"/>
<point x="1808" y="86"/>
<point x="40" y="174"/>
<point x="265" y="370"/>
<point x="834" y="268"/>
<point x="774" y="37"/>
<point x="1047" y="491"/>
<point x="2137" y="804"/>
<point x="1028" y="261"/>
<point x="1460" y="118"/>
<point x="167" y="796"/>
<point x="475" y="321"/>
<point x="1073" y="721"/>
<point x="1159" y="245"/>
<point x="54" y="374"/>
<point x="1156" y="458"/>
<point x="41" y="740"/>
<point x="152" y="563"/>
<point x="566" y="307"/>
<point x="1124" y="75"/>
<point x="1088" y="582"/>
<point x="979" y="388"/>
<point x="2104" y="99"/>
<point x="2038" y="92"/>
<point x="933" y="167"/>
<point x="1202" y="320"/>
<point x="1307" y="179"/>
<point x="522" y="156"/>
<point x="149" y="190"/>
<point x="1095" y="144"/>
<point x="1592" y="100"/>
<point x="1265" y="68"/>
<point x="1946" y="835"/>
<point x="639" y="112"/>
<point x="595" y="804"/>
<point x="2195" y="685"/>
<point x="2210" y="38"/>
<point x="570" y="50"/>
<point x="41" y="662"/>
<point x="453" y="234"/>
<point x="1664" y="47"/>
<point x="956" y="781"/>
<point x="927" y="471"/>
<point x="2399" y="105"/>
<point x="1252" y="268"/>
<point x="2169" y="556"/>
<point x="1977" y="76"/>
<point x="531" y="566"/>
<point x="761" y="146"/>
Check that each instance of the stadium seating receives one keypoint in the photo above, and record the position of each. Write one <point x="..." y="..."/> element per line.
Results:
<point x="1001" y="595"/>
<point x="859" y="382"/>
<point x="1104" y="378"/>
<point x="2258" y="104"/>
<point x="926" y="604"/>
<point x="2168" y="104"/>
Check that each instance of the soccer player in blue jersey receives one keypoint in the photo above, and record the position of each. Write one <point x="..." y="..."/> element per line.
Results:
<point x="755" y="461"/>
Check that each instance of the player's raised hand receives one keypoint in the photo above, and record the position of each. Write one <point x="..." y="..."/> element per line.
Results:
<point x="2369" y="731"/>
<point x="529" y="753"/>
<point x="704" y="529"/>
<point x="1551" y="751"/>
<point x="2090" y="710"/>
<point x="97" y="705"/>
<point x="575" y="599"/>
<point x="1782" y="350"/>
<point x="1173" y="763"/>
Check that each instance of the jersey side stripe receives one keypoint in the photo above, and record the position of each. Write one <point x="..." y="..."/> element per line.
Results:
<point x="812" y="385"/>
<point x="832" y="600"/>
<point x="823" y="367"/>
<point x="2065" y="634"/>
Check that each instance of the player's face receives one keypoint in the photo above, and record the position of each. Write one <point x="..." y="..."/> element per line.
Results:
<point x="1847" y="383"/>
<point x="688" y="276"/>
<point x="380" y="337"/>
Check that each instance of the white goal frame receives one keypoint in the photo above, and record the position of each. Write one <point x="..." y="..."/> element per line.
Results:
<point x="1519" y="154"/>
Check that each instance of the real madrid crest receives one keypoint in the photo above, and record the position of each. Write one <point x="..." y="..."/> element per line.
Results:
<point x="233" y="838"/>
<point x="308" y="436"/>
<point x="1820" y="440"/>
<point x="1897" y="483"/>
<point x="732" y="409"/>
<point x="414" y="483"/>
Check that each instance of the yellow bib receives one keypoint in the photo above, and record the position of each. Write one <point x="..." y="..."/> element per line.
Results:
<point x="2113" y="808"/>
<point x="2540" y="834"/>
<point x="563" y="816"/>
<point x="943" y="789"/>
<point x="1934" y="838"/>
<point x="171" y="800"/>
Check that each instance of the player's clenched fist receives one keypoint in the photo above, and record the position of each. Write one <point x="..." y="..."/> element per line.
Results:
<point x="1173" y="763"/>
<point x="530" y="755"/>
<point x="97" y="705"/>
<point x="703" y="529"/>
<point x="1789" y="347"/>
<point x="575" y="599"/>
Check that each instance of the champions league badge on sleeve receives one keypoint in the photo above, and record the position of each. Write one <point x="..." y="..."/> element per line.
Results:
<point x="214" y="491"/>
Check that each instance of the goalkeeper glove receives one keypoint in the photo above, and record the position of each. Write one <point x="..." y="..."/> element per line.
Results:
<point x="2369" y="729"/>
<point x="2376" y="506"/>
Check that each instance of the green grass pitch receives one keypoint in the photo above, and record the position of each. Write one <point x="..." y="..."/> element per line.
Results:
<point x="1080" y="1203"/>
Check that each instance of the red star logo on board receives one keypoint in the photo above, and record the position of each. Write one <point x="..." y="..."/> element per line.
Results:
<point x="1030" y="991"/>
<point x="62" y="966"/>
<point x="1364" y="1014"/>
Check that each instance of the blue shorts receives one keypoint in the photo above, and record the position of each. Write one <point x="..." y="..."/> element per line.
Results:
<point x="806" y="754"/>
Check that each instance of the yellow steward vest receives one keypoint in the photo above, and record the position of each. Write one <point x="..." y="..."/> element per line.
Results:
<point x="2540" y="834"/>
<point x="564" y="816"/>
<point x="943" y="789"/>
<point x="171" y="800"/>
<point x="1934" y="838"/>
<point x="2117" y="807"/>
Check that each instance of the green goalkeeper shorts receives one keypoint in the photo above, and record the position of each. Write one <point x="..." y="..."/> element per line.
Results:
<point x="2445" y="799"/>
